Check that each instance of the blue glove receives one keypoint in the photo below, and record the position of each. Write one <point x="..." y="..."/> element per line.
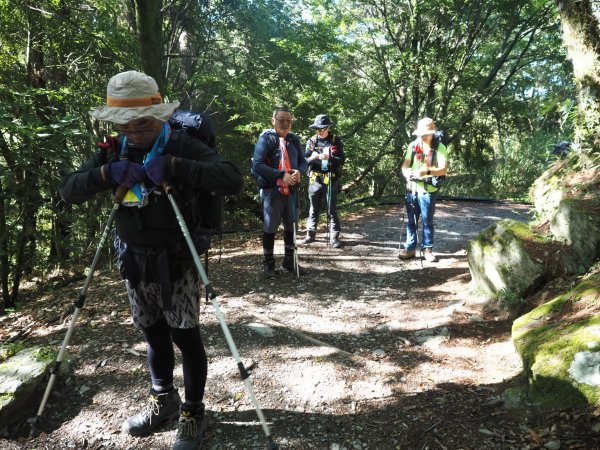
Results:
<point x="157" y="169"/>
<point x="126" y="173"/>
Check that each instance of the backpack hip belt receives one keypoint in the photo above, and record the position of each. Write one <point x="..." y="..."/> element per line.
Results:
<point x="320" y="177"/>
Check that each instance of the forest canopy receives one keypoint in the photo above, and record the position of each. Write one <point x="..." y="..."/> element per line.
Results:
<point x="494" y="75"/>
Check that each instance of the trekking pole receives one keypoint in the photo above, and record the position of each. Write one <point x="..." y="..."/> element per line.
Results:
<point x="33" y="422"/>
<point x="294" y="227"/>
<point x="416" y="219"/>
<point x="403" y="207"/>
<point x="329" y="193"/>
<point x="244" y="371"/>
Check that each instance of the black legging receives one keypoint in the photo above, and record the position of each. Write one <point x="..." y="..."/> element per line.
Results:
<point x="161" y="357"/>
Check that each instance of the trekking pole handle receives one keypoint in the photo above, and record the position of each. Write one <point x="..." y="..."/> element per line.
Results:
<point x="119" y="194"/>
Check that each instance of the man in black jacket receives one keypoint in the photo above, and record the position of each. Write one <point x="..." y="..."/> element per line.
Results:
<point x="325" y="156"/>
<point x="160" y="276"/>
<point x="278" y="162"/>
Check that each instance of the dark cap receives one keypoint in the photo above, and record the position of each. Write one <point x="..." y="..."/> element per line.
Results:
<point x="321" y="121"/>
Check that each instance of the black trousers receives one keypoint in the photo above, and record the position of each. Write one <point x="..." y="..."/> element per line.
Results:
<point x="161" y="357"/>
<point x="318" y="194"/>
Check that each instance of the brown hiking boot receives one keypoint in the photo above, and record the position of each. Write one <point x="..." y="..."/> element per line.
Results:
<point x="407" y="254"/>
<point x="429" y="256"/>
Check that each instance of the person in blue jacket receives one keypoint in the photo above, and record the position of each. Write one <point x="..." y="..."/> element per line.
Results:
<point x="279" y="163"/>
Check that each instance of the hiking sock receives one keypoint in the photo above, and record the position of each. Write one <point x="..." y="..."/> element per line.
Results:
<point x="192" y="405"/>
<point x="288" y="259"/>
<point x="162" y="389"/>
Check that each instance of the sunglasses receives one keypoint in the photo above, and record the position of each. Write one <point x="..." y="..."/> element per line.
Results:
<point x="322" y="129"/>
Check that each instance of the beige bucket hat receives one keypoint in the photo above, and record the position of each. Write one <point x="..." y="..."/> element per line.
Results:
<point x="425" y="126"/>
<point x="132" y="95"/>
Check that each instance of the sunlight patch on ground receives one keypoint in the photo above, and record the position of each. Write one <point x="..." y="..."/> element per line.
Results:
<point x="313" y="352"/>
<point x="370" y="389"/>
<point x="315" y="383"/>
<point x="456" y="351"/>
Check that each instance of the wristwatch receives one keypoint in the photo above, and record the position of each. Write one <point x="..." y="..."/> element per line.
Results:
<point x="428" y="172"/>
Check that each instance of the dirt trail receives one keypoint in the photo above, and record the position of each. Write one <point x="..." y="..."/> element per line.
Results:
<point x="366" y="352"/>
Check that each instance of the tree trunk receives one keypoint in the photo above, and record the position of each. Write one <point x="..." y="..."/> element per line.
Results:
<point x="61" y="232"/>
<point x="4" y="261"/>
<point x="582" y="40"/>
<point x="149" y="26"/>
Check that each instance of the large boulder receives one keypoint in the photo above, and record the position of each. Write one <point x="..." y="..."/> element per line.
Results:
<point x="559" y="343"/>
<point x="20" y="375"/>
<point x="567" y="205"/>
<point x="509" y="256"/>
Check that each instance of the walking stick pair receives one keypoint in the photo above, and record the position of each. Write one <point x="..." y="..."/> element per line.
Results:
<point x="244" y="371"/>
<point x="329" y="194"/>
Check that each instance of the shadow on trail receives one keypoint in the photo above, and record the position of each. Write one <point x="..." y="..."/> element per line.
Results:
<point x="413" y="420"/>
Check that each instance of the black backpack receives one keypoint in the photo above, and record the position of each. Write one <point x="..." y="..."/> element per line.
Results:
<point x="438" y="137"/>
<point x="210" y="204"/>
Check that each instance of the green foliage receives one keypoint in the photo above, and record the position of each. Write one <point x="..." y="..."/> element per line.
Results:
<point x="493" y="74"/>
<point x="8" y="350"/>
<point x="510" y="299"/>
<point x="46" y="354"/>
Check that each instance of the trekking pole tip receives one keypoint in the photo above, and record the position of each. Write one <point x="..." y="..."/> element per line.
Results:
<point x="33" y="421"/>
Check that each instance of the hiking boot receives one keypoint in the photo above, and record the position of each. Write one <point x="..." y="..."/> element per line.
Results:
<point x="310" y="237"/>
<point x="287" y="265"/>
<point x="429" y="256"/>
<point x="407" y="254"/>
<point x="269" y="268"/>
<point x="160" y="409"/>
<point x="190" y="429"/>
<point x="335" y="243"/>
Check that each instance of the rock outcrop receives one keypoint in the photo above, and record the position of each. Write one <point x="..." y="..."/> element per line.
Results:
<point x="559" y="340"/>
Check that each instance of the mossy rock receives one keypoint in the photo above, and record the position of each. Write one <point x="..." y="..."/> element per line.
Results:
<point x="556" y="341"/>
<point x="579" y="227"/>
<point x="567" y="202"/>
<point x="499" y="259"/>
<point x="20" y="375"/>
